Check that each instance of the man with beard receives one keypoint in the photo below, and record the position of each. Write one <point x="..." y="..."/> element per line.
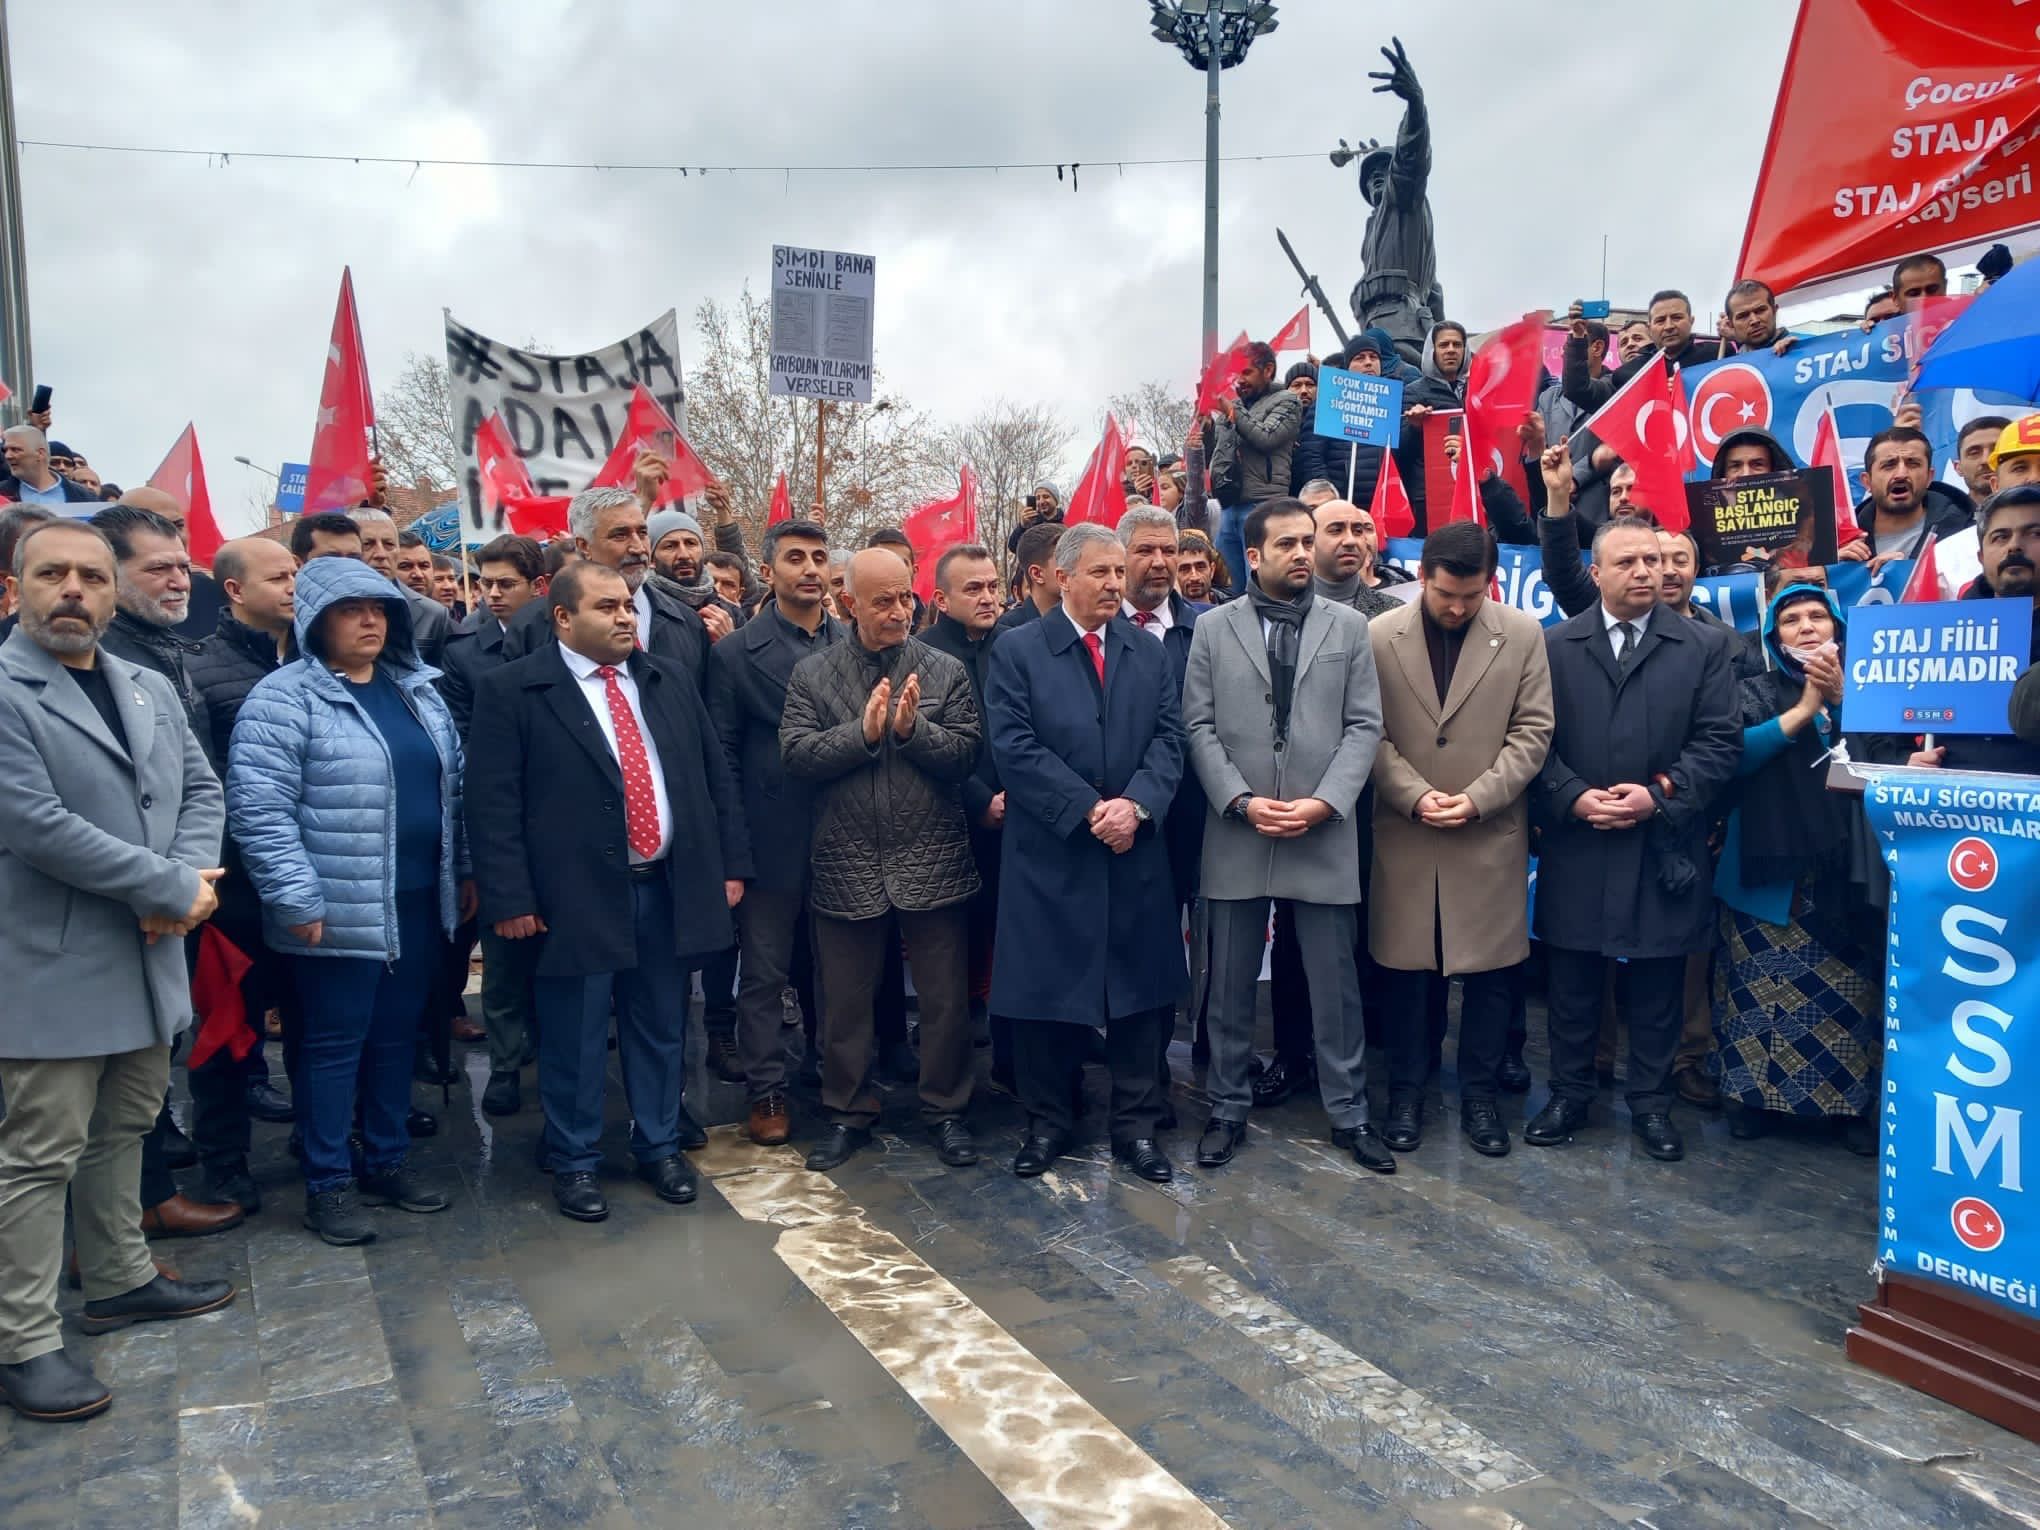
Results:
<point x="1974" y="447"/>
<point x="608" y="527"/>
<point x="1283" y="785"/>
<point x="414" y="563"/>
<point x="1342" y="559"/>
<point x="1906" y="501"/>
<point x="1255" y="439"/>
<point x="2009" y="547"/>
<point x="1441" y="387"/>
<point x="1194" y="567"/>
<point x="679" y="569"/>
<point x="110" y="827"/>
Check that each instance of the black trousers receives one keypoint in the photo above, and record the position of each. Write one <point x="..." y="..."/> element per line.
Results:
<point x="1649" y="999"/>
<point x="719" y="992"/>
<point x="774" y="933"/>
<point x="1487" y="1002"/>
<point x="1048" y="1053"/>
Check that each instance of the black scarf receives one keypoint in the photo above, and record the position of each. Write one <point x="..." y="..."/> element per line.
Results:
<point x="1285" y="628"/>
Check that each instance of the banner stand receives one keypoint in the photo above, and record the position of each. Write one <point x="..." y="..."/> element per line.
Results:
<point x="1980" y="1355"/>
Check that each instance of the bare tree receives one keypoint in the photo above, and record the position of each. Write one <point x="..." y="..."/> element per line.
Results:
<point x="414" y="425"/>
<point x="1012" y="447"/>
<point x="1154" y="415"/>
<point x="882" y="459"/>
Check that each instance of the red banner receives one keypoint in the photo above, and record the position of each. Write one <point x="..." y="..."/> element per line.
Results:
<point x="1901" y="126"/>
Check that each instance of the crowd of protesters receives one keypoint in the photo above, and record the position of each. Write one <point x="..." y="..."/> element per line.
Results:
<point x="293" y="793"/>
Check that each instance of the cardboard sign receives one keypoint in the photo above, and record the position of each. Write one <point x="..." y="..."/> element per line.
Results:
<point x="821" y="324"/>
<point x="1354" y="406"/>
<point x="1769" y="513"/>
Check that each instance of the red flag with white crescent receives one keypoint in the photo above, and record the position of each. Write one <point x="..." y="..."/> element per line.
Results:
<point x="782" y="503"/>
<point x="1645" y="424"/>
<point x="182" y="477"/>
<point x="340" y="473"/>
<point x="648" y="428"/>
<point x="502" y="472"/>
<point x="1100" y="495"/>
<point x="1827" y="453"/>
<point x="1295" y="335"/>
<point x="940" y="525"/>
<point x="1394" y="515"/>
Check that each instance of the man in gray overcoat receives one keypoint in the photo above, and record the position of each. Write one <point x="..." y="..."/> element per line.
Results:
<point x="109" y="837"/>
<point x="1282" y="779"/>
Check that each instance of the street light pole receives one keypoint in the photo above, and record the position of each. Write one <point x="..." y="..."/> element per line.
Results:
<point x="1214" y="42"/>
<point x="17" y="370"/>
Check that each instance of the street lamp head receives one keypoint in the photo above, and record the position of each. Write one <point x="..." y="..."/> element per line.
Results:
<point x="1189" y="26"/>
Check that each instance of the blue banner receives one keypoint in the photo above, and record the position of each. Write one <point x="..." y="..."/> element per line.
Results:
<point x="1352" y="406"/>
<point x="1945" y="666"/>
<point x="290" y="488"/>
<point x="1732" y="597"/>
<point x="1860" y="374"/>
<point x="1964" y="854"/>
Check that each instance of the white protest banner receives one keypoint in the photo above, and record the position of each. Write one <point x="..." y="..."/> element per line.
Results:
<point x="821" y="324"/>
<point x="564" y="413"/>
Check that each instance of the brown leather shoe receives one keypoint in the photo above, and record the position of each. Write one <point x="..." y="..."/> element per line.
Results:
<point x="182" y="1217"/>
<point x="769" y="1125"/>
<point x="76" y="1281"/>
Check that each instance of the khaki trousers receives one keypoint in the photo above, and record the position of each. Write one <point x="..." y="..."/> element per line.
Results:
<point x="76" y="1123"/>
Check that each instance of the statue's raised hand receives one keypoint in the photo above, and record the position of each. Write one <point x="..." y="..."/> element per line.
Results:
<point x="1399" y="77"/>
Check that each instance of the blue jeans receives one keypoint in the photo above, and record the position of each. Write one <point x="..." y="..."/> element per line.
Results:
<point x="1232" y="543"/>
<point x="359" y="1018"/>
<point x="650" y="1002"/>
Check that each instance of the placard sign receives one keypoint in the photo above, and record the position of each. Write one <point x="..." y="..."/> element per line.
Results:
<point x="1355" y="406"/>
<point x="1768" y="512"/>
<point x="1945" y="666"/>
<point x="821" y="324"/>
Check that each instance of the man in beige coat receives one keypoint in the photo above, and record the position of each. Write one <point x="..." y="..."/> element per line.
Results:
<point x="1467" y="721"/>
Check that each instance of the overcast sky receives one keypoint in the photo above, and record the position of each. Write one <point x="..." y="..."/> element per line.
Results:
<point x="168" y="289"/>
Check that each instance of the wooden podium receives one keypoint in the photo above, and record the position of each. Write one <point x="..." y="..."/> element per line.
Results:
<point x="1937" y="1338"/>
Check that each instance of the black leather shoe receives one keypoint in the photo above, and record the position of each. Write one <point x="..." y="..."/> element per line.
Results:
<point x="53" y="1388"/>
<point x="691" y="1136"/>
<point x="504" y="1095"/>
<point x="403" y="1189"/>
<point x="427" y="1069"/>
<point x="1404" y="1131"/>
<point x="839" y="1143"/>
<point x="1554" y="1125"/>
<point x="722" y="1059"/>
<point x="1038" y="1152"/>
<point x="161" y="1298"/>
<point x="579" y="1197"/>
<point x="953" y="1144"/>
<point x="1513" y="1076"/>
<point x="422" y="1123"/>
<point x="229" y="1184"/>
<point x="1482" y="1123"/>
<point x="178" y="1153"/>
<point x="268" y="1103"/>
<point x="1659" y="1137"/>
<point x="1278" y="1081"/>
<point x="1145" y="1157"/>
<point x="1220" y="1141"/>
<point x="336" y="1216"/>
<point x="1366" y="1146"/>
<point x="671" y="1179"/>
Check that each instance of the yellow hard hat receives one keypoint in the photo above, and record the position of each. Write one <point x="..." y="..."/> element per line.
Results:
<point x="2016" y="439"/>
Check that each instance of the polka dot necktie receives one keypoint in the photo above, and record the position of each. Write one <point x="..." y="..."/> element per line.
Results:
<point x="1097" y="646"/>
<point x="640" y="806"/>
<point x="1141" y="619"/>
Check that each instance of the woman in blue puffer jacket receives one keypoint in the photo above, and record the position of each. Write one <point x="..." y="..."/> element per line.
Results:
<point x="343" y="790"/>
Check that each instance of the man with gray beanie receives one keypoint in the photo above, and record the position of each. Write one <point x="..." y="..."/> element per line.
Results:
<point x="679" y="569"/>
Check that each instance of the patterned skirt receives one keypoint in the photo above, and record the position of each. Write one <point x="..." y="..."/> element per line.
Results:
<point x="1796" y="1019"/>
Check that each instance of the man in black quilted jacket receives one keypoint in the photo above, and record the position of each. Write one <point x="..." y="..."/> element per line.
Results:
<point x="886" y="728"/>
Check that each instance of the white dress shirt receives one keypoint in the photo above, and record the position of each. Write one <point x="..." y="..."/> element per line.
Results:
<point x="1610" y="621"/>
<point x="641" y="602"/>
<point x="595" y="691"/>
<point x="1159" y="620"/>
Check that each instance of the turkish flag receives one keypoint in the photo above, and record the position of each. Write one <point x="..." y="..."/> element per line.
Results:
<point x="1221" y="378"/>
<point x="340" y="471"/>
<point x="1100" y="495"/>
<point x="1827" y="453"/>
<point x="1924" y="583"/>
<point x="1886" y="140"/>
<point x="940" y="525"/>
<point x="5" y="393"/>
<point x="1501" y="385"/>
<point x="1393" y="514"/>
<point x="182" y="477"/>
<point x="1295" y="335"/>
<point x="1928" y="318"/>
<point x="502" y="472"/>
<point x="782" y="503"/>
<point x="216" y="999"/>
<point x="543" y="516"/>
<point x="648" y="428"/>
<point x="1659" y="449"/>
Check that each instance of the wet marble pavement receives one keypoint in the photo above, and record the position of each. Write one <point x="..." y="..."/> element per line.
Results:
<point x="1565" y="1339"/>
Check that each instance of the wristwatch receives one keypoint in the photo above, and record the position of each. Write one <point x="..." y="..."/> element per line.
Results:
<point x="1237" y="808"/>
<point x="1142" y="813"/>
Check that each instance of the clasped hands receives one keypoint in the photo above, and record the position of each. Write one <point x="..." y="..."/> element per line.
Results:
<point x="1286" y="820"/>
<point x="1445" y="810"/>
<point x="1616" y="807"/>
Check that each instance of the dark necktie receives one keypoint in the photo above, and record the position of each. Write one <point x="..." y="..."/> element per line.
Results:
<point x="1097" y="646"/>
<point x="640" y="804"/>
<point x="1625" y="648"/>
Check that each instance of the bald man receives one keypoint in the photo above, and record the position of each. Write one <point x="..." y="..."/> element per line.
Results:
<point x="207" y="603"/>
<point x="886" y="729"/>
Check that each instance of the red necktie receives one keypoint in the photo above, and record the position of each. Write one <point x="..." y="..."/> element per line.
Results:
<point x="1142" y="618"/>
<point x="1097" y="646"/>
<point x="640" y="805"/>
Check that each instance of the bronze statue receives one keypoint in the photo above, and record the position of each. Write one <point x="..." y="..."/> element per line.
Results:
<point x="1398" y="289"/>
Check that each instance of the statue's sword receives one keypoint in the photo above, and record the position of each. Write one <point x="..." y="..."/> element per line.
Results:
<point x="1310" y="285"/>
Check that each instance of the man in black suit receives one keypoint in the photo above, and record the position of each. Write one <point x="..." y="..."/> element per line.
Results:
<point x="512" y="577"/>
<point x="747" y="677"/>
<point x="603" y="823"/>
<point x="609" y="529"/>
<point x="1648" y="733"/>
